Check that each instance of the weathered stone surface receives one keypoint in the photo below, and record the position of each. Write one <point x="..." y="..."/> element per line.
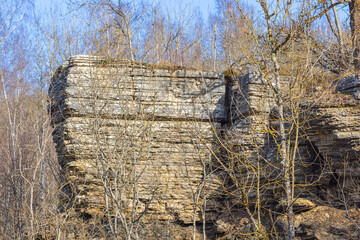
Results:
<point x="153" y="124"/>
<point x="326" y="223"/>
<point x="350" y="85"/>
<point x="327" y="160"/>
<point x="161" y="128"/>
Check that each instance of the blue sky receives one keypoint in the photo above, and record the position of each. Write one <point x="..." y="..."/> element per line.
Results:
<point x="205" y="6"/>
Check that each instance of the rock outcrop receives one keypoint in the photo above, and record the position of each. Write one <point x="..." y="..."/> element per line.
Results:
<point x="327" y="162"/>
<point x="327" y="223"/>
<point x="147" y="130"/>
<point x="157" y="141"/>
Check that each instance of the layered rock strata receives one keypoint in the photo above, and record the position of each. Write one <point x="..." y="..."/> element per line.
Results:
<point x="328" y="130"/>
<point x="137" y="132"/>
<point x="142" y="130"/>
<point x="326" y="156"/>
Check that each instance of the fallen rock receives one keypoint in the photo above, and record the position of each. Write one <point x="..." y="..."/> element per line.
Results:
<point x="299" y="204"/>
<point x="326" y="223"/>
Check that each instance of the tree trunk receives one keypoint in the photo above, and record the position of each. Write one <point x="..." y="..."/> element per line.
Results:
<point x="283" y="152"/>
<point x="354" y="7"/>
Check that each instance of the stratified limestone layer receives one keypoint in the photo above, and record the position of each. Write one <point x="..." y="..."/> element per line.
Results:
<point x="135" y="131"/>
<point x="327" y="154"/>
<point x="326" y="160"/>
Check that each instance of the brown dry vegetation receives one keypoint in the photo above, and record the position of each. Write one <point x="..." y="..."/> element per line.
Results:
<point x="292" y="41"/>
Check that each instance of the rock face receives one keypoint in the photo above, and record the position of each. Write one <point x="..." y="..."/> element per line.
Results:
<point x="326" y="161"/>
<point x="326" y="223"/>
<point x="157" y="141"/>
<point x="349" y="85"/>
<point x="145" y="131"/>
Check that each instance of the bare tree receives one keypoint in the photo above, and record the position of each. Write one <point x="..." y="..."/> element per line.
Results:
<point x="354" y="8"/>
<point x="274" y="53"/>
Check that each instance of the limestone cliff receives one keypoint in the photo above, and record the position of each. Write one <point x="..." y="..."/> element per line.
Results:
<point x="326" y="157"/>
<point x="147" y="128"/>
<point x="154" y="142"/>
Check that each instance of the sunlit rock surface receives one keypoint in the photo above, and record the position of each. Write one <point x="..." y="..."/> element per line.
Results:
<point x="151" y="129"/>
<point x="327" y="158"/>
<point x="162" y="135"/>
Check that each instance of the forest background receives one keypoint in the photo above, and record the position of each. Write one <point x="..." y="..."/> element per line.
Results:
<point x="36" y="40"/>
